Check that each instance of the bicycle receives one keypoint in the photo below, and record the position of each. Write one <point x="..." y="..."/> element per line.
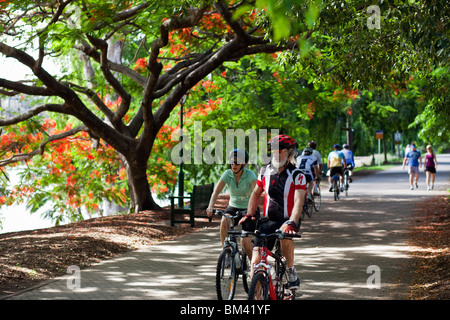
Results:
<point x="336" y="186"/>
<point x="347" y="179"/>
<point x="232" y="261"/>
<point x="264" y="286"/>
<point x="317" y="203"/>
<point x="308" y="206"/>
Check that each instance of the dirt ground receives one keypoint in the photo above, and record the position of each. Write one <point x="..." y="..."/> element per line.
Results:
<point x="30" y="257"/>
<point x="429" y="240"/>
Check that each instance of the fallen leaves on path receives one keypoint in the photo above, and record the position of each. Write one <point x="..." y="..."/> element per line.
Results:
<point x="429" y="239"/>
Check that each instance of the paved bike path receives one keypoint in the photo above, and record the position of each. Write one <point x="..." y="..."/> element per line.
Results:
<point x="338" y="245"/>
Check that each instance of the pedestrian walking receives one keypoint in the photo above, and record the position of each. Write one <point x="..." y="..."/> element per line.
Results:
<point x="430" y="167"/>
<point x="414" y="159"/>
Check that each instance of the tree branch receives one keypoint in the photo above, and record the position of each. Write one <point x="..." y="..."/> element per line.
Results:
<point x="91" y="52"/>
<point x="102" y="45"/>
<point x="18" y="87"/>
<point x="61" y="108"/>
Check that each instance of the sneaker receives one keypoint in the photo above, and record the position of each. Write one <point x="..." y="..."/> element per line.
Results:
<point x="331" y="188"/>
<point x="432" y="186"/>
<point x="412" y="188"/>
<point x="428" y="189"/>
<point x="309" y="196"/>
<point x="417" y="186"/>
<point x="342" y="189"/>
<point x="294" y="281"/>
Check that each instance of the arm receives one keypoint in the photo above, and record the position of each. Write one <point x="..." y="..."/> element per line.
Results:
<point x="316" y="172"/>
<point x="253" y="184"/>
<point x="217" y="190"/>
<point x="297" y="210"/>
<point x="298" y="205"/>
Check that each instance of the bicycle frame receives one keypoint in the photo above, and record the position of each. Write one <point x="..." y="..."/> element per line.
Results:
<point x="275" y="289"/>
<point x="264" y="266"/>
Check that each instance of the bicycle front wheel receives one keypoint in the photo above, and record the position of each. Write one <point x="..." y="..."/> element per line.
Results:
<point x="258" y="288"/>
<point x="226" y="275"/>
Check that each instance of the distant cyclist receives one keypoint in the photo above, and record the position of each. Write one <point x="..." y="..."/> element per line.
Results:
<point x="240" y="182"/>
<point x="313" y="145"/>
<point x="307" y="163"/>
<point x="350" y="159"/>
<point x="284" y="189"/>
<point x="336" y="164"/>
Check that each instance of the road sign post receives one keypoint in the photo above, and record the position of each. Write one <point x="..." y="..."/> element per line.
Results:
<point x="379" y="136"/>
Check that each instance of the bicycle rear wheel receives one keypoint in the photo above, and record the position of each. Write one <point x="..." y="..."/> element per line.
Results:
<point x="346" y="183"/>
<point x="317" y="199"/>
<point x="258" y="288"/>
<point x="336" y="190"/>
<point x="226" y="275"/>
<point x="309" y="207"/>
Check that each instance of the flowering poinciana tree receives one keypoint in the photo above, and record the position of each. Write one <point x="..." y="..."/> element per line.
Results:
<point x="135" y="60"/>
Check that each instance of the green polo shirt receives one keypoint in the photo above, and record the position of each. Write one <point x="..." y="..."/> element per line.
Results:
<point x="239" y="194"/>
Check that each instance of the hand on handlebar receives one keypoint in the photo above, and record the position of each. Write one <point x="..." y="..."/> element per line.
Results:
<point x="245" y="217"/>
<point x="289" y="228"/>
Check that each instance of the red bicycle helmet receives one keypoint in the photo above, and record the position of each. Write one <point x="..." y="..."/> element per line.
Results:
<point x="282" y="141"/>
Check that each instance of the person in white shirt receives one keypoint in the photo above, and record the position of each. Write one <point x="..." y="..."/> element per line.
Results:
<point x="307" y="163"/>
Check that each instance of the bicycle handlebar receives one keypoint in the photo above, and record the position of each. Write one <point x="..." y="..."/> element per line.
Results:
<point x="227" y="215"/>
<point x="277" y="234"/>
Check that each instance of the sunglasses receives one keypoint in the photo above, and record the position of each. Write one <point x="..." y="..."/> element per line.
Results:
<point x="279" y="151"/>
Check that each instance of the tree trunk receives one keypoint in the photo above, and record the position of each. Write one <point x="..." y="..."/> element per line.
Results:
<point x="140" y="196"/>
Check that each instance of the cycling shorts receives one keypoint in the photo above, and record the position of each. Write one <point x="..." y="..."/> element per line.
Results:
<point x="269" y="226"/>
<point x="336" y="170"/>
<point x="249" y="224"/>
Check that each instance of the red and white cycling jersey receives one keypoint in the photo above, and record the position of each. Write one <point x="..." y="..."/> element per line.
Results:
<point x="279" y="190"/>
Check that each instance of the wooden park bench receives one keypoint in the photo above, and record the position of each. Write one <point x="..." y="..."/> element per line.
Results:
<point x="198" y="200"/>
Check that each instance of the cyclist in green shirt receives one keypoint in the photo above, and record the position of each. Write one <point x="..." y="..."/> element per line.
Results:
<point x="240" y="182"/>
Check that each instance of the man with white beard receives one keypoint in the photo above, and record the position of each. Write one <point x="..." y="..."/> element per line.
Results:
<point x="284" y="187"/>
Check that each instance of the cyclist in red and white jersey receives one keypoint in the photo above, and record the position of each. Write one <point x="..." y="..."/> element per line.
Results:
<point x="284" y="187"/>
